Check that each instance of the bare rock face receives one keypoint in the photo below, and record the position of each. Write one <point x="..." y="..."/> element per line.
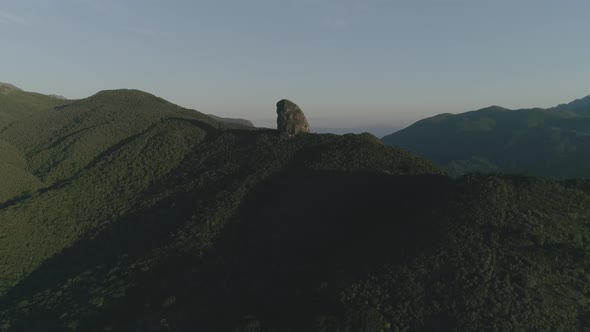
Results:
<point x="290" y="120"/>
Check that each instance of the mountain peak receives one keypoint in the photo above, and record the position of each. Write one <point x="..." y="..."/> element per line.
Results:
<point x="6" y="88"/>
<point x="494" y="108"/>
<point x="58" y="97"/>
<point x="124" y="97"/>
<point x="574" y="105"/>
<point x="121" y="92"/>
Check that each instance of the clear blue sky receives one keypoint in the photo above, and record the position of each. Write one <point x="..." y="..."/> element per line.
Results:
<point x="345" y="62"/>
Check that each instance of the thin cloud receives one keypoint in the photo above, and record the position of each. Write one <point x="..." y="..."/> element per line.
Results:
<point x="10" y="18"/>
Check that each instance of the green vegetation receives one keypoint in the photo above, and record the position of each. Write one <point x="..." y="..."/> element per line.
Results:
<point x="549" y="143"/>
<point x="70" y="137"/>
<point x="16" y="104"/>
<point x="146" y="216"/>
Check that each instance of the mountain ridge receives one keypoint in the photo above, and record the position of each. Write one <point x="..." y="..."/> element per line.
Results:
<point x="6" y="88"/>
<point x="538" y="142"/>
<point x="239" y="121"/>
<point x="576" y="106"/>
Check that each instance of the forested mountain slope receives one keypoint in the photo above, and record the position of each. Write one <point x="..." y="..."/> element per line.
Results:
<point x="550" y="143"/>
<point x="154" y="218"/>
<point x="16" y="104"/>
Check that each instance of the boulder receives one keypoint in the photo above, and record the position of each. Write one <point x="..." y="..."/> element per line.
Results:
<point x="290" y="119"/>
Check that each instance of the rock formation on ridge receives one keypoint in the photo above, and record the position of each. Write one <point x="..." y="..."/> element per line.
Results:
<point x="290" y="120"/>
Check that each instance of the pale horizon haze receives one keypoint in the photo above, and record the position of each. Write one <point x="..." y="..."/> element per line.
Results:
<point x="347" y="63"/>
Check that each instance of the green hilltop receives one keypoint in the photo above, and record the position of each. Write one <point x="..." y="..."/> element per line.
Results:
<point x="538" y="142"/>
<point x="16" y="104"/>
<point x="137" y="214"/>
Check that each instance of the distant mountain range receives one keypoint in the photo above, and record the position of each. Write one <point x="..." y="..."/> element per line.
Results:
<point x="551" y="142"/>
<point x="243" y="122"/>
<point x="125" y="212"/>
<point x="373" y="130"/>
<point x="578" y="107"/>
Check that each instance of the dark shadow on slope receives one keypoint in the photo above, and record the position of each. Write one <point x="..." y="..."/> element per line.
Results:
<point x="301" y="236"/>
<point x="13" y="201"/>
<point x="298" y="240"/>
<point x="295" y="241"/>
<point x="133" y="237"/>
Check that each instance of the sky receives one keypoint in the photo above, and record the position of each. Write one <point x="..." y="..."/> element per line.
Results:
<point x="346" y="63"/>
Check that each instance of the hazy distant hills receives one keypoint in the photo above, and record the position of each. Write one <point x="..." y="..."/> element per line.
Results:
<point x="578" y="106"/>
<point x="136" y="214"/>
<point x="541" y="142"/>
<point x="373" y="130"/>
<point x="243" y="122"/>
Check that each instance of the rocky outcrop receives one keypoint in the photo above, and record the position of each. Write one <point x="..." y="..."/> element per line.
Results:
<point x="290" y="119"/>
